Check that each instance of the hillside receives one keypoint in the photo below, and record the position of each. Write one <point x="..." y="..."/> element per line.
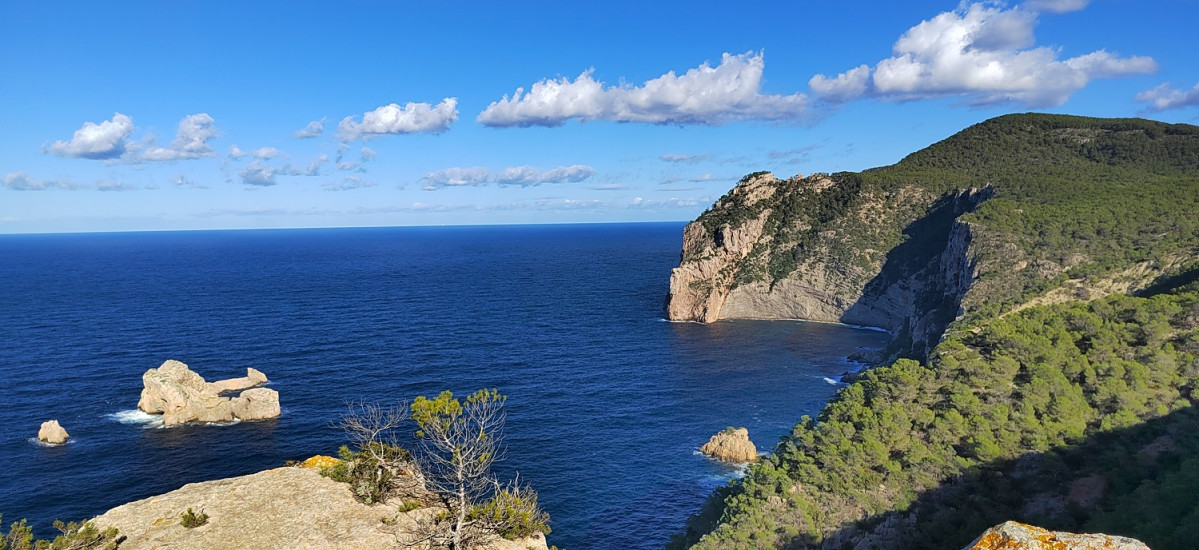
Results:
<point x="1017" y="210"/>
<point x="1038" y="273"/>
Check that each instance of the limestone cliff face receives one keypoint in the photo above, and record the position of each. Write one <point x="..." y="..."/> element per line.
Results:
<point x="818" y="249"/>
<point x="701" y="283"/>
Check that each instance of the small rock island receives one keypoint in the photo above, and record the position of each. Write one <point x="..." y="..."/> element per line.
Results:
<point x="731" y="445"/>
<point x="181" y="396"/>
<point x="51" y="433"/>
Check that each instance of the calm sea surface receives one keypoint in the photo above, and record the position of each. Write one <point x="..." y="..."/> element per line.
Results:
<point x="607" y="402"/>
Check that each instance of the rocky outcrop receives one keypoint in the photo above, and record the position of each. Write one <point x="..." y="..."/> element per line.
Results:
<point x="758" y="254"/>
<point x="731" y="445"/>
<point x="292" y="508"/>
<point x="182" y="396"/>
<point x="52" y="433"/>
<point x="1018" y="536"/>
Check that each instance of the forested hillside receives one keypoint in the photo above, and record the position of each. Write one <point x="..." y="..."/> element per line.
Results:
<point x="1060" y="389"/>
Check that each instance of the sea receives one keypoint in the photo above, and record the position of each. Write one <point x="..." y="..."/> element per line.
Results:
<point x="607" y="404"/>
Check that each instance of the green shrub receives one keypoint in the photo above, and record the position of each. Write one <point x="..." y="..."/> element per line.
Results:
<point x="371" y="471"/>
<point x="516" y="513"/>
<point x="191" y="519"/>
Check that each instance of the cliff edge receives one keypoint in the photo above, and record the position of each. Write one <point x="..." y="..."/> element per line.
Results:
<point x="1012" y="212"/>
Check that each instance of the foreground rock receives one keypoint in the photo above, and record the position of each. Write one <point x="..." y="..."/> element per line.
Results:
<point x="1011" y="535"/>
<point x="292" y="508"/>
<point x="732" y="446"/>
<point x="181" y="396"/>
<point x="52" y="433"/>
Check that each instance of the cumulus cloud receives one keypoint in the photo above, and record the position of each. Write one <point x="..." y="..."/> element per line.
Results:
<point x="731" y="91"/>
<point x="258" y="175"/>
<point x="394" y="119"/>
<point x="523" y="176"/>
<point x="1165" y="97"/>
<point x="1056" y="6"/>
<point x="266" y="153"/>
<point x="313" y="129"/>
<point x="106" y="140"/>
<point x="236" y="153"/>
<point x="191" y="140"/>
<point x="20" y="181"/>
<point x="368" y="154"/>
<point x="983" y="54"/>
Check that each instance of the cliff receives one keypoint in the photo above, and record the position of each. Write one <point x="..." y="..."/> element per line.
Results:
<point x="980" y="223"/>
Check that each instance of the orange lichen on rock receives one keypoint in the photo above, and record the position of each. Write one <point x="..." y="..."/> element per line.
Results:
<point x="319" y="461"/>
<point x="1018" y="536"/>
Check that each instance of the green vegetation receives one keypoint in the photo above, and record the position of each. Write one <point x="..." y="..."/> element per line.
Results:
<point x="192" y="520"/>
<point x="1069" y="198"/>
<point x="74" y="536"/>
<point x="1077" y="416"/>
<point x="457" y="443"/>
<point x="1001" y="424"/>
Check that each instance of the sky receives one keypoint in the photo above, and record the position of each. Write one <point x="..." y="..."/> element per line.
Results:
<point x="134" y="116"/>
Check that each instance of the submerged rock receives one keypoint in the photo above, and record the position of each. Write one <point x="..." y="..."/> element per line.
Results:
<point x="732" y="446"/>
<point x="52" y="433"/>
<point x="1011" y="535"/>
<point x="181" y="396"/>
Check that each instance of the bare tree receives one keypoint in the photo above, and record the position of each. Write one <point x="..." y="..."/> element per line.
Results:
<point x="458" y="442"/>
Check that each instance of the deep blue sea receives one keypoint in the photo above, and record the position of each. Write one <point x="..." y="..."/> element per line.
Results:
<point x="607" y="403"/>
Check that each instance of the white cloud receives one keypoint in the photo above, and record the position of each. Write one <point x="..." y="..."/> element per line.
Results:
<point x="313" y="129"/>
<point x="729" y="92"/>
<point x="393" y="119"/>
<point x="1056" y="6"/>
<point x="524" y="176"/>
<point x="20" y="181"/>
<point x="456" y="177"/>
<point x="191" y="140"/>
<point x="258" y="175"/>
<point x="184" y="181"/>
<point x="236" y="153"/>
<point x="686" y="159"/>
<point x="348" y="183"/>
<point x="112" y="185"/>
<point x="266" y="153"/>
<point x="315" y="167"/>
<point x="1166" y="97"/>
<point x="368" y="154"/>
<point x="106" y="140"/>
<point x="981" y="53"/>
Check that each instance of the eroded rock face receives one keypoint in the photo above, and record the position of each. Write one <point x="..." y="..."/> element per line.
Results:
<point x="1011" y="535"/>
<point x="731" y="446"/>
<point x="281" y="508"/>
<point x="52" y="433"/>
<point x="181" y="396"/>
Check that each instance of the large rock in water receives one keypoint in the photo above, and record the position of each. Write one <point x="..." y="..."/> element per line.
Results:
<point x="1011" y="535"/>
<point x="52" y="433"/>
<point x="181" y="396"/>
<point x="732" y="446"/>
<point x="292" y="508"/>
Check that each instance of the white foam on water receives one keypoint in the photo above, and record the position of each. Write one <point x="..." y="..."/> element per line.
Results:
<point x="833" y="382"/>
<point x="136" y="417"/>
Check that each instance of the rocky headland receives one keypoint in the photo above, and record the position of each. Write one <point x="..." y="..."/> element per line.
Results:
<point x="290" y="507"/>
<point x="181" y="396"/>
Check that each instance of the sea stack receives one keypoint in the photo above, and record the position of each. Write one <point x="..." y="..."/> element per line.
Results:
<point x="182" y="396"/>
<point x="731" y="445"/>
<point x="52" y="433"/>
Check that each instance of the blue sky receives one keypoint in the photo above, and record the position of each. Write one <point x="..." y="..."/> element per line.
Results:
<point x="195" y="115"/>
